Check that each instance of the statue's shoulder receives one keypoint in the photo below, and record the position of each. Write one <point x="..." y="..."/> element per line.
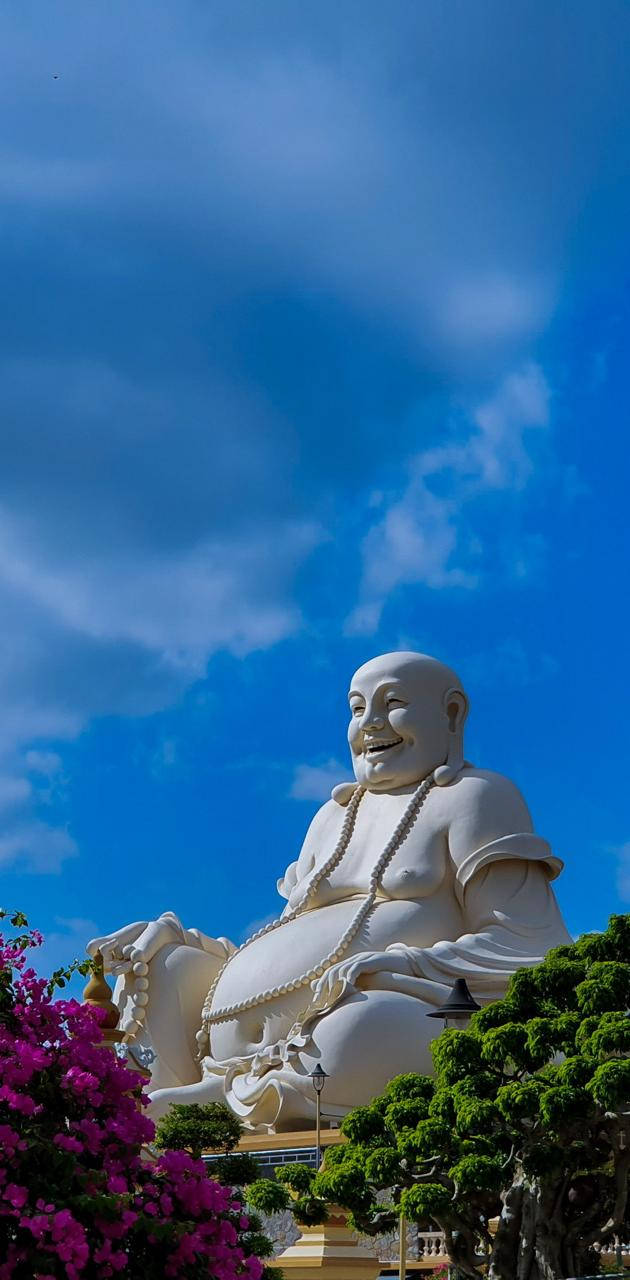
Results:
<point x="490" y="797"/>
<point x="328" y="815"/>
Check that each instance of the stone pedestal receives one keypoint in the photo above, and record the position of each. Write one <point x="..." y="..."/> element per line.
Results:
<point x="330" y="1248"/>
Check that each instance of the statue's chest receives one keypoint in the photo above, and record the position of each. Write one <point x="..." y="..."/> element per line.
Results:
<point x="416" y="870"/>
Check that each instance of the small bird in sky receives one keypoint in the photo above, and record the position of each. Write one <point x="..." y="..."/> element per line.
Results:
<point x="55" y="77"/>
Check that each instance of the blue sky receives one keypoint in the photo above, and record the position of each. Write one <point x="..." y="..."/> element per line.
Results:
<point x="314" y="346"/>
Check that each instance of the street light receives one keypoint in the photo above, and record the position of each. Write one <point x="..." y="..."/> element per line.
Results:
<point x="456" y="1011"/>
<point x="459" y="1006"/>
<point x="319" y="1078"/>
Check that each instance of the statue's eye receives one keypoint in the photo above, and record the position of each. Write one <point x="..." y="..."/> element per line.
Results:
<point x="357" y="709"/>
<point x="396" y="702"/>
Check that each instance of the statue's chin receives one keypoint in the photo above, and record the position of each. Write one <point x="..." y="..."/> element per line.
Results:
<point x="390" y="775"/>
<point x="377" y="777"/>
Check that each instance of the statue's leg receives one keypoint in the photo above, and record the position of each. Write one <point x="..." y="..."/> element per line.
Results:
<point x="362" y="1043"/>
<point x="201" y="1092"/>
<point x="366" y="1041"/>
<point x="179" y="980"/>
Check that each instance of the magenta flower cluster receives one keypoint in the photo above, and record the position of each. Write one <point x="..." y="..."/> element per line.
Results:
<point x="79" y="1199"/>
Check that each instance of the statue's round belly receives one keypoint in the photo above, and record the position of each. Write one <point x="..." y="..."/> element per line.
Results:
<point x="301" y="944"/>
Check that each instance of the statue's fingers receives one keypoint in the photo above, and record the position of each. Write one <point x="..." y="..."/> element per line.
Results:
<point x="118" y="966"/>
<point x="150" y="941"/>
<point x="104" y="945"/>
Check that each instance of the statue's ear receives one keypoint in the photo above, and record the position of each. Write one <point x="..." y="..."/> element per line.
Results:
<point x="455" y="705"/>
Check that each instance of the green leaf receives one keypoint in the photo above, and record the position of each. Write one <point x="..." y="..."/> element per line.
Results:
<point x="425" y="1202"/>
<point x="363" y="1124"/>
<point x="506" y="1047"/>
<point x="456" y="1053"/>
<point x="428" y="1139"/>
<point x="299" y="1177"/>
<point x="477" y="1173"/>
<point x="610" y="1085"/>
<point x="268" y="1196"/>
<point x="406" y="1114"/>
<point x="560" y="1106"/>
<point x="382" y="1167"/>
<point x="607" y="988"/>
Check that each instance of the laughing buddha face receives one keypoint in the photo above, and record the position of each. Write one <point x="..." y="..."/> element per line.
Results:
<point x="404" y="709"/>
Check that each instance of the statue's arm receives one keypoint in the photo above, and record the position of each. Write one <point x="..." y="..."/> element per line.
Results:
<point x="195" y="938"/>
<point x="512" y="920"/>
<point x="291" y="885"/>
<point x="502" y="874"/>
<point x="138" y="943"/>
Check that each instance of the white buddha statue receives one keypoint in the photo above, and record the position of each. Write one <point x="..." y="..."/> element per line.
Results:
<point x="423" y="870"/>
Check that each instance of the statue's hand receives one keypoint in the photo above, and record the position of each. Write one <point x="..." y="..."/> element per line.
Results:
<point x="351" y="974"/>
<point x="133" y="944"/>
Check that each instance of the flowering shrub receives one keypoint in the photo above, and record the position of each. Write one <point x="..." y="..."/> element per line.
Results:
<point x="77" y="1199"/>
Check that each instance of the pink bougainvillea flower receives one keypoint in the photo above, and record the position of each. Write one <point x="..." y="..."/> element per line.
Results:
<point x="76" y="1196"/>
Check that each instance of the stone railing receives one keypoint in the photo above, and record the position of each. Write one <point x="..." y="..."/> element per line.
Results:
<point x="432" y="1247"/>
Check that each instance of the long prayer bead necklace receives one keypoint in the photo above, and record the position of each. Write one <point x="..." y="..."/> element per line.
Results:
<point x="211" y="1016"/>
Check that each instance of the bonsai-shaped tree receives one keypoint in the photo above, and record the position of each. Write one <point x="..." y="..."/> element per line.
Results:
<point x="77" y="1199"/>
<point x="527" y="1117"/>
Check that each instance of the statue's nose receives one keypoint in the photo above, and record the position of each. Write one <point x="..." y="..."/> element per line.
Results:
<point x="371" y="721"/>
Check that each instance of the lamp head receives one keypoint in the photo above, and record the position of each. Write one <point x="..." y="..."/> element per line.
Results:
<point x="459" y="1005"/>
<point x="319" y="1077"/>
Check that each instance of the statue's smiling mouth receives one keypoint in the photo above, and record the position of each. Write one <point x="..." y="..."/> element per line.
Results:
<point x="375" y="748"/>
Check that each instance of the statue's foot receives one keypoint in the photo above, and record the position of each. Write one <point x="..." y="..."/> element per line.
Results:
<point x="202" y="1092"/>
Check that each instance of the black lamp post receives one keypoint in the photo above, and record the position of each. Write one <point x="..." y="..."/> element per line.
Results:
<point x="456" y="1011"/>
<point x="458" y="1007"/>
<point x="319" y="1078"/>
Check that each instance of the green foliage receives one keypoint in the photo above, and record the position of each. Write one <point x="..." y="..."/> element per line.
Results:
<point x="195" y="1128"/>
<point x="310" y="1210"/>
<point x="533" y="1096"/>
<point x="268" y="1196"/>
<point x="364" y="1124"/>
<point x="299" y="1177"/>
<point x="425" y="1202"/>
<point x="382" y="1167"/>
<point x="610" y="1085"/>
<point x="237" y="1170"/>
<point x="345" y="1183"/>
<point x="456" y="1054"/>
<point x="476" y="1173"/>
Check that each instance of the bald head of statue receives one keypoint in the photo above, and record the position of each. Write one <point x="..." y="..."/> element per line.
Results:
<point x="407" y="714"/>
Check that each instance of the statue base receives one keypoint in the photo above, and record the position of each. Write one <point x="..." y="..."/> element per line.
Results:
<point x="331" y="1248"/>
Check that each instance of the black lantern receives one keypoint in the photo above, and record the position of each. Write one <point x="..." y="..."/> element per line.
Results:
<point x="319" y="1077"/>
<point x="459" y="1006"/>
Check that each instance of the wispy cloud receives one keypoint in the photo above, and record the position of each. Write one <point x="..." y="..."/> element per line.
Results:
<point x="315" y="782"/>
<point x="427" y="534"/>
<point x="41" y="848"/>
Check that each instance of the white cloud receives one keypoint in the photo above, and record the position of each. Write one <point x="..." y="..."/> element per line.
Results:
<point x="182" y="605"/>
<point x="46" y="763"/>
<point x="427" y="534"/>
<point x="13" y="791"/>
<point x="121" y="632"/>
<point x="40" y="847"/>
<point x="493" y="307"/>
<point x="315" y="782"/>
